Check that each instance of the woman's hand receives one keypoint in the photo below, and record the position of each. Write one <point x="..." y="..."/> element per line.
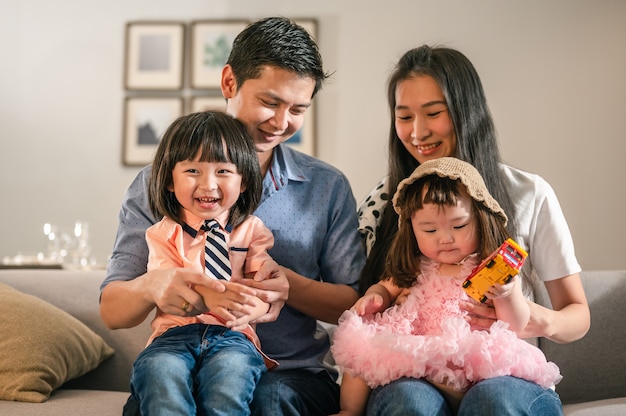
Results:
<point x="479" y="315"/>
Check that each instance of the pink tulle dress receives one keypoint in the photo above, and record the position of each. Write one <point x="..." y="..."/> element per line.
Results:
<point x="428" y="337"/>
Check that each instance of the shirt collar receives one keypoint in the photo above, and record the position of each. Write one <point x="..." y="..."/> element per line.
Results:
<point x="284" y="165"/>
<point x="192" y="223"/>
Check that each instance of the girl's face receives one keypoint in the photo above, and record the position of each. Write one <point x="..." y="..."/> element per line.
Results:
<point x="422" y="120"/>
<point x="206" y="189"/>
<point x="444" y="233"/>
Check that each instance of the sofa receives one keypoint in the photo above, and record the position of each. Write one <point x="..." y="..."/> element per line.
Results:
<point x="102" y="391"/>
<point x="594" y="368"/>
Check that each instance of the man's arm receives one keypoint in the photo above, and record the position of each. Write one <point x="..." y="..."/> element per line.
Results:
<point x="124" y="304"/>
<point x="341" y="260"/>
<point x="320" y="300"/>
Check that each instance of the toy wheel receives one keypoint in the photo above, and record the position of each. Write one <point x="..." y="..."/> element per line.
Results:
<point x="467" y="284"/>
<point x="483" y="299"/>
<point x="508" y="279"/>
<point x="491" y="263"/>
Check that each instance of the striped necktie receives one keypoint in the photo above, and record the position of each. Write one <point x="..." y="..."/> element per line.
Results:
<point x="216" y="260"/>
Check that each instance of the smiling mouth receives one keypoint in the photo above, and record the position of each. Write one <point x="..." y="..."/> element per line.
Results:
<point x="428" y="147"/>
<point x="207" y="200"/>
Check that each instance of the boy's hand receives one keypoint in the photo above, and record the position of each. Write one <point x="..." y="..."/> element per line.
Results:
<point x="271" y="286"/>
<point x="236" y="299"/>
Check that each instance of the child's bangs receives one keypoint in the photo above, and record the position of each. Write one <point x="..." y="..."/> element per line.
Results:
<point x="441" y="191"/>
<point x="213" y="149"/>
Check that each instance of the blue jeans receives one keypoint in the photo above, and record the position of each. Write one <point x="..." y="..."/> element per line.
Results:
<point x="496" y="396"/>
<point x="295" y="393"/>
<point x="197" y="369"/>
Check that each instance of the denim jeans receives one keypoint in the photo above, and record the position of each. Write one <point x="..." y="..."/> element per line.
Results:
<point x="492" y="397"/>
<point x="197" y="369"/>
<point x="295" y="392"/>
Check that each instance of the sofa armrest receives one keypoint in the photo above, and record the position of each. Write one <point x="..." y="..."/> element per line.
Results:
<point x="593" y="367"/>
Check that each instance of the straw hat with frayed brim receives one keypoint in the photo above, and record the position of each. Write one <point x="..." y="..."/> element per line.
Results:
<point x="456" y="169"/>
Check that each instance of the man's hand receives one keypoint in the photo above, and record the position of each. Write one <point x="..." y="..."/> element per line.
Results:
<point x="271" y="286"/>
<point x="125" y="304"/>
<point x="236" y="305"/>
<point x="172" y="290"/>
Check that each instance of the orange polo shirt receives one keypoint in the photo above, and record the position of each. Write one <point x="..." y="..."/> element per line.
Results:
<point x="171" y="246"/>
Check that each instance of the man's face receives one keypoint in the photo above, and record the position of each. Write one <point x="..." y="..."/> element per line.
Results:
<point x="272" y="106"/>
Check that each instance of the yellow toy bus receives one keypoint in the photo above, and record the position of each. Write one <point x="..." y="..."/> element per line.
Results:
<point x="499" y="267"/>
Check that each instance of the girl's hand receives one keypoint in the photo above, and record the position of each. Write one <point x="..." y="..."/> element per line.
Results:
<point x="502" y="290"/>
<point x="402" y="296"/>
<point x="368" y="304"/>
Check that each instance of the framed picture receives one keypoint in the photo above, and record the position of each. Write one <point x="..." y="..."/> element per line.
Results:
<point x="211" y="42"/>
<point x="154" y="55"/>
<point x="145" y="121"/>
<point x="204" y="103"/>
<point x="304" y="139"/>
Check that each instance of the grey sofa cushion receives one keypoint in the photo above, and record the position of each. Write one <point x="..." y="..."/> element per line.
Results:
<point x="594" y="367"/>
<point x="609" y="407"/>
<point x="70" y="402"/>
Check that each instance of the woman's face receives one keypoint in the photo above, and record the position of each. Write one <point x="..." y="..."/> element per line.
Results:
<point x="422" y="120"/>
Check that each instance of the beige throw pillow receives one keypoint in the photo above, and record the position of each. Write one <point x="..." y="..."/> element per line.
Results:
<point x="41" y="347"/>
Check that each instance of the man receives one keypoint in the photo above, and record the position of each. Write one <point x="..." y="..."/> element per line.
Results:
<point x="272" y="74"/>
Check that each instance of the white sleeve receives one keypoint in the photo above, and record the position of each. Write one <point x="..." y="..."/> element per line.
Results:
<point x="542" y="228"/>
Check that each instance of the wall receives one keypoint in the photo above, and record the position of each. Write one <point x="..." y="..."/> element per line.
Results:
<point x="553" y="71"/>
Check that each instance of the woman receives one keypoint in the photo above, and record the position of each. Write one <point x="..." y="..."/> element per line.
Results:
<point x="438" y="108"/>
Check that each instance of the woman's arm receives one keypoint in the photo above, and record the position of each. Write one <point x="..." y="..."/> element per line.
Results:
<point x="568" y="321"/>
<point x="569" y="318"/>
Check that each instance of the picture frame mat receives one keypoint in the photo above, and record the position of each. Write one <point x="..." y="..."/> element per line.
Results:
<point x="154" y="58"/>
<point x="211" y="42"/>
<point x="145" y="121"/>
<point x="204" y="103"/>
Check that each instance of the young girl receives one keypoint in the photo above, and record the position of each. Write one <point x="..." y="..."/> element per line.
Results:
<point x="205" y="180"/>
<point x="447" y="223"/>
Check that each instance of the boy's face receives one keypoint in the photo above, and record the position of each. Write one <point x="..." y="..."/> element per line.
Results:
<point x="272" y="106"/>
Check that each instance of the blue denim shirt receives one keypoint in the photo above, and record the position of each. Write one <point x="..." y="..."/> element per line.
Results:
<point x="309" y="207"/>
